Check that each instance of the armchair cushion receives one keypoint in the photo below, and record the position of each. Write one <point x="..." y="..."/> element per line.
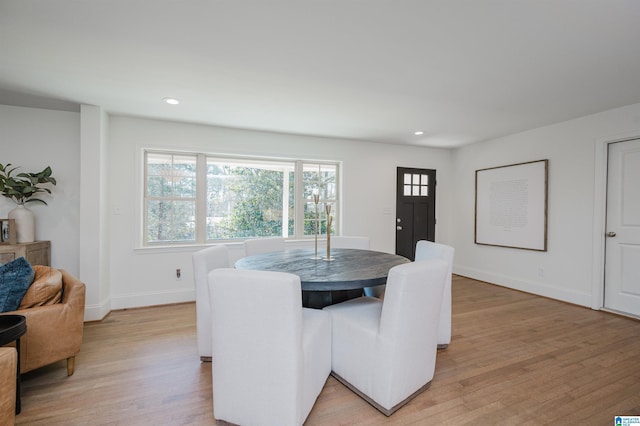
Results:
<point x="46" y="288"/>
<point x="15" y="278"/>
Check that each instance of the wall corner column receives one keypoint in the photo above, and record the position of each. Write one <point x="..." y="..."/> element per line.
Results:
<point x="94" y="223"/>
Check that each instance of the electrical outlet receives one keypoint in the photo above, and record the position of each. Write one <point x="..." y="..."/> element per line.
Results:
<point x="178" y="274"/>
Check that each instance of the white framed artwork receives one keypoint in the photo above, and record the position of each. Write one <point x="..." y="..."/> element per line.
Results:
<point x="511" y="206"/>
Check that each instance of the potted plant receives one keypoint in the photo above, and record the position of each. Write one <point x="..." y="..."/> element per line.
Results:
<point x="21" y="189"/>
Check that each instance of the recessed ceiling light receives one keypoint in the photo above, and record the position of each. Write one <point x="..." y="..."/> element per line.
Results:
<point x="171" y="101"/>
<point x="418" y="133"/>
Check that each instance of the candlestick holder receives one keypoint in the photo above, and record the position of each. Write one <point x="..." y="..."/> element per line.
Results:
<point x="328" y="258"/>
<point x="316" y="199"/>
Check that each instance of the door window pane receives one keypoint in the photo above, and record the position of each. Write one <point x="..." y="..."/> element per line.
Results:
<point x="416" y="185"/>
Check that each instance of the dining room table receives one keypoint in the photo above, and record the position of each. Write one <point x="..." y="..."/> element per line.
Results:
<point x="328" y="281"/>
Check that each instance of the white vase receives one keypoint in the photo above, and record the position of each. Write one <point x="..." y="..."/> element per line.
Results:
<point x="25" y="224"/>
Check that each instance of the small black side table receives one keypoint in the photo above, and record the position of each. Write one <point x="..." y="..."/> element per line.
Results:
<point x="12" y="327"/>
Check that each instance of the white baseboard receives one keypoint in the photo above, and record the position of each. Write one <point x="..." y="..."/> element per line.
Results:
<point x="138" y="300"/>
<point x="539" y="288"/>
<point x="97" y="312"/>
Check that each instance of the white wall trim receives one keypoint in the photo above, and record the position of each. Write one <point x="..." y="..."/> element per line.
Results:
<point x="97" y="312"/>
<point x="136" y="300"/>
<point x="553" y="292"/>
<point x="600" y="213"/>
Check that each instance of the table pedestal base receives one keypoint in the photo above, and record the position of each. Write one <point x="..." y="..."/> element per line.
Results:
<point x="320" y="299"/>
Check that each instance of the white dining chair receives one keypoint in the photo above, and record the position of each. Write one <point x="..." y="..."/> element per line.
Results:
<point x="271" y="356"/>
<point x="204" y="261"/>
<point x="385" y="350"/>
<point x="263" y="245"/>
<point x="426" y="250"/>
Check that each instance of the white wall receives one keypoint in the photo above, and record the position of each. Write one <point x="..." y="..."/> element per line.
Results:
<point x="36" y="138"/>
<point x="572" y="149"/>
<point x="147" y="276"/>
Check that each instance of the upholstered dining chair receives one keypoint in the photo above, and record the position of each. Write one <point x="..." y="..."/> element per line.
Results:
<point x="385" y="350"/>
<point x="429" y="250"/>
<point x="204" y="261"/>
<point x="263" y="245"/>
<point x="271" y="356"/>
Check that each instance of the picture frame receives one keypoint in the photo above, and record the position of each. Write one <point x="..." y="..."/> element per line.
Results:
<point x="8" y="231"/>
<point x="511" y="206"/>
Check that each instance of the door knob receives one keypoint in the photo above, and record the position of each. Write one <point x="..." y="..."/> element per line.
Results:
<point x="611" y="234"/>
<point x="399" y="228"/>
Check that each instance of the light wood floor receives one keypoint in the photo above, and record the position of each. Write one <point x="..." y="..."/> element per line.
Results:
<point x="515" y="359"/>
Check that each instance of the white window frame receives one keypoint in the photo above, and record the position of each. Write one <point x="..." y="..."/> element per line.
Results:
<point x="201" y="195"/>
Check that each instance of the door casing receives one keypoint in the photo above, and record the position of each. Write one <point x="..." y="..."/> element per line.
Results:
<point x="622" y="237"/>
<point x="600" y="214"/>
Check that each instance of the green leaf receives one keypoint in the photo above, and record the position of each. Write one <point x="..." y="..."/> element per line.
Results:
<point x="34" y="200"/>
<point x="23" y="186"/>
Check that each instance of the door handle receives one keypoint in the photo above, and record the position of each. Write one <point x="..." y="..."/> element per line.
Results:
<point x="398" y="228"/>
<point x="611" y="234"/>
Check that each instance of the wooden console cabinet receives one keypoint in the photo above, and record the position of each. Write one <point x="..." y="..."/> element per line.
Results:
<point x="36" y="253"/>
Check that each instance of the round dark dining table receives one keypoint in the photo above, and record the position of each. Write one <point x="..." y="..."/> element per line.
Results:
<point x="327" y="282"/>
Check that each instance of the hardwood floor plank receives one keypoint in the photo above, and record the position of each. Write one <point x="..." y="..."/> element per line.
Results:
<point x="514" y="359"/>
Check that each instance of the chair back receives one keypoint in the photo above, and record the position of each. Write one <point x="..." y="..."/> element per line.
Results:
<point x="263" y="245"/>
<point x="429" y="250"/>
<point x="408" y="332"/>
<point x="204" y="261"/>
<point x="257" y="346"/>
<point x="340" y="241"/>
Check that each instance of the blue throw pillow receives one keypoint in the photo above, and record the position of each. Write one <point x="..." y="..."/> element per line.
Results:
<point x="15" y="279"/>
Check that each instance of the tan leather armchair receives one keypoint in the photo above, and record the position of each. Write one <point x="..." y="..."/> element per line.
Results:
<point x="8" y="360"/>
<point x="54" y="332"/>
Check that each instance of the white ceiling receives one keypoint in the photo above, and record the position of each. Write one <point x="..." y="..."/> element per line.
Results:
<point x="460" y="70"/>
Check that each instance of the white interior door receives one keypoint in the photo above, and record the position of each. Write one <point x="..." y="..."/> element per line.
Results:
<point x="622" y="263"/>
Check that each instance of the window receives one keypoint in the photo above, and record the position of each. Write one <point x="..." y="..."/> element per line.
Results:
<point x="321" y="180"/>
<point x="198" y="198"/>
<point x="170" y="195"/>
<point x="249" y="199"/>
<point x="416" y="185"/>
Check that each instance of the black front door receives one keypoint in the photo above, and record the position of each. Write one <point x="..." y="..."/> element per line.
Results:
<point x="415" y="209"/>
